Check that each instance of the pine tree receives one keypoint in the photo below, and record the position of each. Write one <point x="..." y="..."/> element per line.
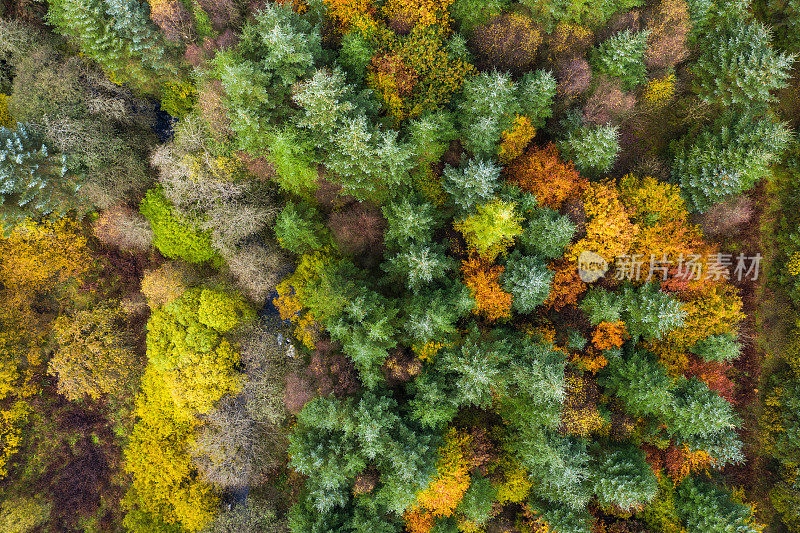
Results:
<point x="471" y="184"/>
<point x="622" y="56"/>
<point x="33" y="178"/>
<point x="593" y="150"/>
<point x="726" y="158"/>
<point x="737" y="63"/>
<point x="623" y="479"/>
<point x="528" y="280"/>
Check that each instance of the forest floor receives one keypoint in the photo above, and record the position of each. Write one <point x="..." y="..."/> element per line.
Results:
<point x="748" y="369"/>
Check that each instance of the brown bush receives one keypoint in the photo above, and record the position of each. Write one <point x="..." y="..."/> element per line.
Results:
<point x="123" y="227"/>
<point x="401" y="366"/>
<point x="299" y="391"/>
<point x="508" y="41"/>
<point x="608" y="103"/>
<point x="358" y="228"/>
<point x="256" y="269"/>
<point x="332" y="372"/>
<point x="669" y="26"/>
<point x="259" y="167"/>
<point x="574" y="77"/>
<point x="223" y="13"/>
<point x="366" y="482"/>
<point x="726" y="217"/>
<point x="213" y="111"/>
<point x="166" y="283"/>
<point x="630" y="20"/>
<point x="329" y="195"/>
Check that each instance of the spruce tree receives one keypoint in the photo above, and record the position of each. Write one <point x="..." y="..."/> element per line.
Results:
<point x="33" y="178"/>
<point x="727" y="157"/>
<point x="409" y="219"/>
<point x="708" y="508"/>
<point x="623" y="479"/>
<point x="722" y="347"/>
<point x="593" y="150"/>
<point x="622" y="56"/>
<point x="472" y="184"/>
<point x="638" y="381"/>
<point x="697" y="410"/>
<point x="119" y="35"/>
<point x="536" y="93"/>
<point x="547" y="233"/>
<point x="528" y="280"/>
<point x="419" y="265"/>
<point x="737" y="63"/>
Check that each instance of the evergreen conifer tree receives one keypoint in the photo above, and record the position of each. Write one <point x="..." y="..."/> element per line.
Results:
<point x="622" y="56"/>
<point x="737" y="63"/>
<point x="528" y="280"/>
<point x="33" y="178"/>
<point x="593" y="150"/>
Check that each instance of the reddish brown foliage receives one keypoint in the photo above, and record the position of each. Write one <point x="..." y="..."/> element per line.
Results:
<point x="725" y="218"/>
<point x="566" y="287"/>
<point x="669" y="25"/>
<point x="482" y="451"/>
<point x="358" y="228"/>
<point x="574" y="76"/>
<point x="213" y="110"/>
<point x="122" y="227"/>
<point x="393" y="74"/>
<point x="223" y="13"/>
<point x="654" y="458"/>
<point x="679" y="461"/>
<point x="508" y="42"/>
<point x="260" y="167"/>
<point x="541" y="172"/>
<point x="329" y="195"/>
<point x="299" y="391"/>
<point x="331" y="372"/>
<point x="629" y="20"/>
<point x="608" y="102"/>
<point x="715" y="375"/>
